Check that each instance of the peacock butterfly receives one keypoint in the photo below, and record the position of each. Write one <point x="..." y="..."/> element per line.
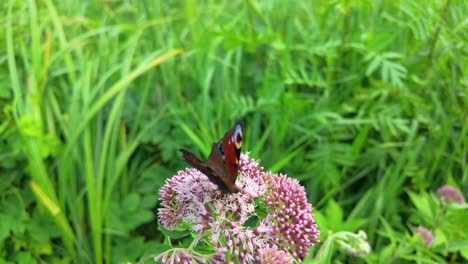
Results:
<point x="223" y="163"/>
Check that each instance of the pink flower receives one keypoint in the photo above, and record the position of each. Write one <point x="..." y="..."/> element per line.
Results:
<point x="426" y="235"/>
<point x="268" y="218"/>
<point x="448" y="193"/>
<point x="183" y="198"/>
<point x="292" y="220"/>
<point x="271" y="255"/>
<point x="178" y="255"/>
<point x="241" y="245"/>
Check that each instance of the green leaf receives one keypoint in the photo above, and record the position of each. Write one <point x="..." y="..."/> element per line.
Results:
<point x="334" y="214"/>
<point x="128" y="249"/>
<point x="155" y="250"/>
<point x="260" y="210"/>
<point x="456" y="245"/>
<point x="7" y="222"/>
<point x="176" y="233"/>
<point x="464" y="253"/>
<point x="25" y="257"/>
<point x="205" y="249"/>
<point x="131" y="202"/>
<point x="374" y="64"/>
<point x="422" y="204"/>
<point x="252" y="222"/>
<point x="324" y="254"/>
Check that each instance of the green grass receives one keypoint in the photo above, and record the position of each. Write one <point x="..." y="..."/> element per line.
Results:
<point x="365" y="102"/>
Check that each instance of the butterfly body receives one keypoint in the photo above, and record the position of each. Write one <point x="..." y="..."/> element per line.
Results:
<point x="222" y="164"/>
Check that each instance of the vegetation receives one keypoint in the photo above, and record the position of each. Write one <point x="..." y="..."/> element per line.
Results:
<point x="365" y="102"/>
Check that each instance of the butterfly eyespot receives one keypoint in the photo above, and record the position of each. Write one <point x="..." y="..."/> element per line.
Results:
<point x="221" y="149"/>
<point x="237" y="136"/>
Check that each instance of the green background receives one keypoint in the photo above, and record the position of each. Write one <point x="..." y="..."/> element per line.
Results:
<point x="365" y="102"/>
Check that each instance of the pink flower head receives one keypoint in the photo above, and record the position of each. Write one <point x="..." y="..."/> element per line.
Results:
<point x="293" y="223"/>
<point x="178" y="255"/>
<point x="268" y="218"/>
<point x="448" y="193"/>
<point x="426" y="235"/>
<point x="271" y="255"/>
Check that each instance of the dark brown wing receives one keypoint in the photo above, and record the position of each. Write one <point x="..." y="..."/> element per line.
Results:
<point x="213" y="176"/>
<point x="232" y="143"/>
<point x="224" y="157"/>
<point x="223" y="162"/>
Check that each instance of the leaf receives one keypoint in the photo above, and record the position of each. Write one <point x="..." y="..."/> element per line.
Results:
<point x="40" y="228"/>
<point x="205" y="249"/>
<point x="5" y="226"/>
<point x="25" y="257"/>
<point x="353" y="225"/>
<point x="41" y="248"/>
<point x="325" y="253"/>
<point x="373" y="66"/>
<point x="322" y="224"/>
<point x="334" y="214"/>
<point x="252" y="222"/>
<point x="128" y="249"/>
<point x="176" y="233"/>
<point x="390" y="70"/>
<point x="129" y="214"/>
<point x="260" y="210"/>
<point x="456" y="245"/>
<point x="17" y="219"/>
<point x="464" y="253"/>
<point x="131" y="202"/>
<point x="422" y="204"/>
<point x="154" y="249"/>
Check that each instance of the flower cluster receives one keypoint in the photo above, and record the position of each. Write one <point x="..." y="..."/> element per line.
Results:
<point x="426" y="235"/>
<point x="351" y="243"/>
<point x="178" y="255"/>
<point x="268" y="221"/>
<point x="291" y="221"/>
<point x="448" y="193"/>
<point x="272" y="255"/>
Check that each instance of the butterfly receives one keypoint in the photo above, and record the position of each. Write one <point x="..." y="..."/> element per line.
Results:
<point x="222" y="165"/>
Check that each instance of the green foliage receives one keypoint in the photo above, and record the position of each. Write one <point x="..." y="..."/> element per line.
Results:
<point x="364" y="102"/>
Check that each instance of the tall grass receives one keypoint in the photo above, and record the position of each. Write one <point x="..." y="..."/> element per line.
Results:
<point x="360" y="100"/>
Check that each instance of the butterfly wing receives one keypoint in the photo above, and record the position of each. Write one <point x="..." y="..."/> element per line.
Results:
<point x="232" y="143"/>
<point x="212" y="175"/>
<point x="222" y="165"/>
<point x="225" y="155"/>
